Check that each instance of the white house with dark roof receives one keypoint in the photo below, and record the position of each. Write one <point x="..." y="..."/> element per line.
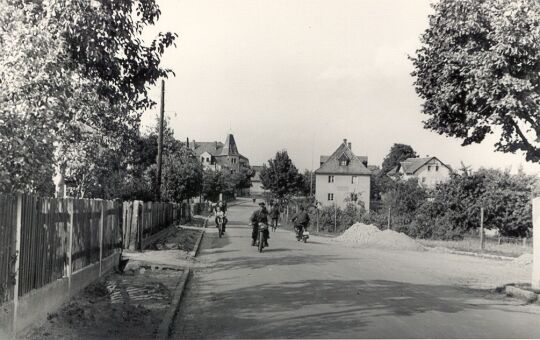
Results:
<point x="430" y="171"/>
<point x="342" y="177"/>
<point x="217" y="155"/>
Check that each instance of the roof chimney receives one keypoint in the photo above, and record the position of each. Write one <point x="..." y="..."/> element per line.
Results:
<point x="216" y="145"/>
<point x="350" y="145"/>
<point x="345" y="141"/>
<point x="194" y="145"/>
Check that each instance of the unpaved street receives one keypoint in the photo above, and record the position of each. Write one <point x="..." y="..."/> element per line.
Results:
<point x="325" y="290"/>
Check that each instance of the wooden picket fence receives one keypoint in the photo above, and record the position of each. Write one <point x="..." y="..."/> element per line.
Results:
<point x="143" y="220"/>
<point x="46" y="239"/>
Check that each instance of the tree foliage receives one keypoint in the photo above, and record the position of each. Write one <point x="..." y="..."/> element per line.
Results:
<point x="182" y="176"/>
<point x="398" y="152"/>
<point x="281" y="177"/>
<point x="69" y="68"/>
<point x="453" y="207"/>
<point x="308" y="183"/>
<point x="477" y="72"/>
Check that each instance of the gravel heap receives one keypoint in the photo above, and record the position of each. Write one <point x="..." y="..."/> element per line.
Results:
<point x="371" y="236"/>
<point x="524" y="260"/>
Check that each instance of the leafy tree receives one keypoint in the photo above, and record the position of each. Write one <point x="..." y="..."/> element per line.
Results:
<point x="182" y="176"/>
<point x="477" y="72"/>
<point x="398" y="152"/>
<point x="403" y="198"/>
<point x="215" y="183"/>
<point x="308" y="183"/>
<point x="379" y="183"/>
<point x="241" y="179"/>
<point x="281" y="177"/>
<point x="507" y="202"/>
<point x="67" y="66"/>
<point x="455" y="206"/>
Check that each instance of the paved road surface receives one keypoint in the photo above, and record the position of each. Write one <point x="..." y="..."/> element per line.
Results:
<point x="321" y="290"/>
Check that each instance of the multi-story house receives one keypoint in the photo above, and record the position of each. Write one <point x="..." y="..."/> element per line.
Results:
<point x="343" y="177"/>
<point x="430" y="171"/>
<point x="218" y="155"/>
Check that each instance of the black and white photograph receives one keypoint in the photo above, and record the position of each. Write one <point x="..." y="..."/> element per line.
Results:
<point x="269" y="169"/>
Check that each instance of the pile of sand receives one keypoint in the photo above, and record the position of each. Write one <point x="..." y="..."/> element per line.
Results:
<point x="524" y="260"/>
<point x="371" y="236"/>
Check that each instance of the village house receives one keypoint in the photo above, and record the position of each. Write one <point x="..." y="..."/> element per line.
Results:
<point x="343" y="177"/>
<point x="218" y="155"/>
<point x="430" y="171"/>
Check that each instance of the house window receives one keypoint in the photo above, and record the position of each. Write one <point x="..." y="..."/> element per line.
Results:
<point x="353" y="179"/>
<point x="330" y="197"/>
<point x="436" y="168"/>
<point x="207" y="160"/>
<point x="354" y="197"/>
<point x="330" y="179"/>
<point x="202" y="159"/>
<point x="429" y="168"/>
<point x="343" y="163"/>
<point x="423" y="179"/>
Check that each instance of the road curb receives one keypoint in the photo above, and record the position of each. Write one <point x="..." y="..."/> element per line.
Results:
<point x="470" y="253"/>
<point x="195" y="250"/>
<point x="521" y="294"/>
<point x="166" y="325"/>
<point x="168" y="319"/>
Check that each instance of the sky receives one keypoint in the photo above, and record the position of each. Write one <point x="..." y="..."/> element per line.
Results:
<point x="302" y="75"/>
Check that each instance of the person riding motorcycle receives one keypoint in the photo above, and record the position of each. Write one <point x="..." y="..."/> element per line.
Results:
<point x="258" y="217"/>
<point x="301" y="221"/>
<point x="220" y="210"/>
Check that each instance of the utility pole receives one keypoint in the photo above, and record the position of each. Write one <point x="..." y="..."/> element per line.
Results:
<point x="160" y="141"/>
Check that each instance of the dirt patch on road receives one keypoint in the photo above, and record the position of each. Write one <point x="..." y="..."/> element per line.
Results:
<point x="128" y="306"/>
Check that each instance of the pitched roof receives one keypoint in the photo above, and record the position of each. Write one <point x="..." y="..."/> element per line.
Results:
<point x="411" y="165"/>
<point x="356" y="164"/>
<point x="230" y="148"/>
<point x="213" y="148"/>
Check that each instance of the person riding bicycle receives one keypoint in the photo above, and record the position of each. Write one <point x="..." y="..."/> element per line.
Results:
<point x="258" y="217"/>
<point x="301" y="221"/>
<point x="220" y="210"/>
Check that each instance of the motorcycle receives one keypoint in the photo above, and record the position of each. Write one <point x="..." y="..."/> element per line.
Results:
<point x="301" y="234"/>
<point x="262" y="239"/>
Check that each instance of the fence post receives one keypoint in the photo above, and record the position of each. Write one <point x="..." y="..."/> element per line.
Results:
<point x="389" y="214"/>
<point x="17" y="262"/>
<point x="482" y="228"/>
<point x="535" y="284"/>
<point x="71" y="211"/>
<point x="317" y="209"/>
<point x="101" y="223"/>
<point x="335" y="217"/>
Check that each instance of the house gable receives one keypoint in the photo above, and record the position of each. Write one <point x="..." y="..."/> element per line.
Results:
<point x="335" y="163"/>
